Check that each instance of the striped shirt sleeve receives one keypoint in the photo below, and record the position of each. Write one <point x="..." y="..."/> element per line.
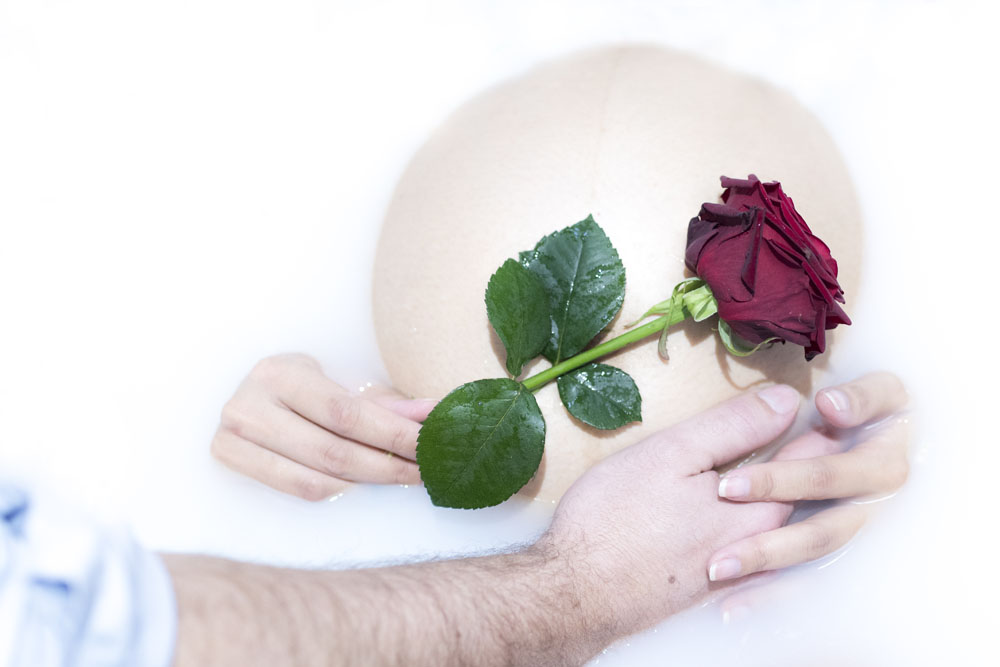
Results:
<point x="73" y="593"/>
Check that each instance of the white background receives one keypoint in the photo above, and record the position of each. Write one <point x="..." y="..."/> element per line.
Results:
<point x="186" y="187"/>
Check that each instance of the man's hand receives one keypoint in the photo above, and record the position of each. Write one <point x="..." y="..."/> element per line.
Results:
<point x="629" y="545"/>
<point x="292" y="428"/>
<point x="639" y="528"/>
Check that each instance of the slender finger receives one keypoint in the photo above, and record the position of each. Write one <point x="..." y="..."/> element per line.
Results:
<point x="810" y="445"/>
<point x="286" y="433"/>
<point x="414" y="409"/>
<point x="734" y="428"/>
<point x="273" y="469"/>
<point x="324" y="402"/>
<point x="878" y="465"/>
<point x="796" y="543"/>
<point x="869" y="397"/>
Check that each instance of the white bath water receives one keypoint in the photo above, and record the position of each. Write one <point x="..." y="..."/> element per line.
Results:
<point x="184" y="190"/>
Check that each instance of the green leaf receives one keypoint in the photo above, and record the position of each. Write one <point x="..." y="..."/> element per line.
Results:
<point x="736" y="345"/>
<point x="585" y="281"/>
<point x="603" y="396"/>
<point x="480" y="444"/>
<point x="518" y="308"/>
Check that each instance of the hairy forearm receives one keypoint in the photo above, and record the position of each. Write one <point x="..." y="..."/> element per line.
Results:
<point x="513" y="609"/>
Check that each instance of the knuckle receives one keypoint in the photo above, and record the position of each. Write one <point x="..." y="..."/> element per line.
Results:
<point x="739" y="420"/>
<point x="745" y="421"/>
<point x="657" y="452"/>
<point x="819" y="479"/>
<point x="344" y="411"/>
<point x="765" y="484"/>
<point x="403" y="440"/>
<point x="735" y="422"/>
<point x="267" y="368"/>
<point x="760" y="557"/>
<point x="233" y="417"/>
<point x="336" y="458"/>
<point x="818" y="541"/>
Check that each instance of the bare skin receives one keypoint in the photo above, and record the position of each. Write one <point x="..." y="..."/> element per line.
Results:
<point x="638" y="137"/>
<point x="315" y="459"/>
<point x="292" y="428"/>
<point x="616" y="559"/>
<point x="815" y="466"/>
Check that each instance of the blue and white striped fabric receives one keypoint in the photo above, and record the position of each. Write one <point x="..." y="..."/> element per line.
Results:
<point x="75" y="594"/>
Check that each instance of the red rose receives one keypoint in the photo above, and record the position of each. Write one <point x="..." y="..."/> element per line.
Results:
<point x="771" y="277"/>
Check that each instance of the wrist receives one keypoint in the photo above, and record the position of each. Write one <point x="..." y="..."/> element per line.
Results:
<point x="620" y="590"/>
<point x="592" y="613"/>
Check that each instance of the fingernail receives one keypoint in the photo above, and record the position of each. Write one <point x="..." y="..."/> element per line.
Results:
<point x="838" y="399"/>
<point x="734" y="486"/>
<point x="782" y="398"/>
<point x="727" y="568"/>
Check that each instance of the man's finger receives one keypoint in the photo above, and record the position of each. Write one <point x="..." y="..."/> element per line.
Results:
<point x="736" y="427"/>
<point x="796" y="543"/>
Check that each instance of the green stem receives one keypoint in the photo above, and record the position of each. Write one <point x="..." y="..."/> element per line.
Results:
<point x="650" y="328"/>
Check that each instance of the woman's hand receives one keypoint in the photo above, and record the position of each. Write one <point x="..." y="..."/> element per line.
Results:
<point x="816" y="467"/>
<point x="292" y="428"/>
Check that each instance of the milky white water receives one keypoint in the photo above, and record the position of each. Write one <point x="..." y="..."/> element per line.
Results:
<point x="184" y="190"/>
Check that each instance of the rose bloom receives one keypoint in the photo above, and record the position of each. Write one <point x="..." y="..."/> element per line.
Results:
<point x="771" y="277"/>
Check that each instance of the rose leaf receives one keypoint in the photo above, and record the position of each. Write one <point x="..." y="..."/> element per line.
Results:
<point x="518" y="308"/>
<point x="600" y="395"/>
<point x="585" y="281"/>
<point x="480" y="444"/>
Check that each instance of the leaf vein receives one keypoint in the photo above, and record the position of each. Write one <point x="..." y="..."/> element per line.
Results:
<point x="473" y="459"/>
<point x="569" y="297"/>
